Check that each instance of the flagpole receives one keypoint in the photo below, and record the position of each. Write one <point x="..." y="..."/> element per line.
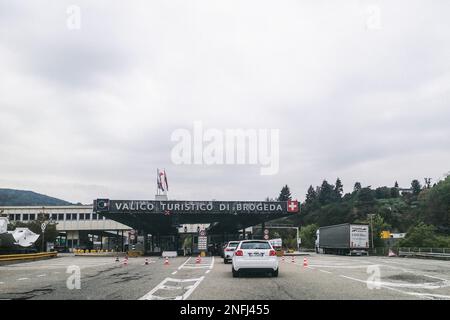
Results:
<point x="157" y="188"/>
<point x="167" y="184"/>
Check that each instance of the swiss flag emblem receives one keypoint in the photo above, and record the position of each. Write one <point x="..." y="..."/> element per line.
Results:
<point x="292" y="206"/>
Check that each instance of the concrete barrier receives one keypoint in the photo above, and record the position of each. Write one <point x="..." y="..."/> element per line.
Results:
<point x="15" y="258"/>
<point x="169" y="254"/>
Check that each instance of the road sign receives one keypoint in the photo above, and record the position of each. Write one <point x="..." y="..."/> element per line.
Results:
<point x="266" y="237"/>
<point x="43" y="226"/>
<point x="276" y="242"/>
<point x="202" y="243"/>
<point x="132" y="231"/>
<point x="202" y="233"/>
<point x="132" y="237"/>
<point x="266" y="231"/>
<point x="385" y="234"/>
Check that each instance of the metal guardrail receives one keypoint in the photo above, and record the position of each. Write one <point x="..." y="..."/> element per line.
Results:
<point x="439" y="253"/>
<point x="27" y="256"/>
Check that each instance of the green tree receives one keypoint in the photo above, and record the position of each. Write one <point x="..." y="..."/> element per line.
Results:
<point x="357" y="187"/>
<point x="434" y="206"/>
<point x="416" y="187"/>
<point x="366" y="197"/>
<point x="308" y="235"/>
<point x="285" y="194"/>
<point x="394" y="192"/>
<point x="326" y="194"/>
<point x="382" y="193"/>
<point x="338" y="189"/>
<point x="423" y="235"/>
<point x="311" y="195"/>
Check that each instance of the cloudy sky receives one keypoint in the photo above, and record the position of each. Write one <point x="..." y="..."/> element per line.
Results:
<point x="358" y="89"/>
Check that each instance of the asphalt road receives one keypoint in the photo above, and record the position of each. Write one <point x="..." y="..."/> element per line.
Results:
<point x="325" y="277"/>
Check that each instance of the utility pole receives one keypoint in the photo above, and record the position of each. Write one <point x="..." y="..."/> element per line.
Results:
<point x="371" y="227"/>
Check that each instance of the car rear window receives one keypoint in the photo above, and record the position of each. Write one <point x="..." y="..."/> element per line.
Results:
<point x="255" y="245"/>
<point x="233" y="244"/>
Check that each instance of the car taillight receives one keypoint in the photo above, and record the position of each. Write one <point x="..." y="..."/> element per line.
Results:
<point x="272" y="253"/>
<point x="239" y="253"/>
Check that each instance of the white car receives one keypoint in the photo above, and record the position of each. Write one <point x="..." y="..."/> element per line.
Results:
<point x="255" y="255"/>
<point x="229" y="250"/>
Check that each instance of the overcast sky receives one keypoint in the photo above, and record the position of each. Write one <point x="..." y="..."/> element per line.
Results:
<point x="356" y="93"/>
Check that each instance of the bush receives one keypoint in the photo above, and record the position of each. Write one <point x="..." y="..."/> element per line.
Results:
<point x="424" y="236"/>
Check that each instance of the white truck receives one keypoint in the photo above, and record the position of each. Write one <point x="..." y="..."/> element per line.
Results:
<point x="343" y="239"/>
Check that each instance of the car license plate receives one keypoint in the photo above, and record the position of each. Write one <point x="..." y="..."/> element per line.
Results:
<point x="256" y="254"/>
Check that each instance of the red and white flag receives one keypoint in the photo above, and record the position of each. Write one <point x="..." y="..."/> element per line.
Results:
<point x="162" y="180"/>
<point x="292" y="206"/>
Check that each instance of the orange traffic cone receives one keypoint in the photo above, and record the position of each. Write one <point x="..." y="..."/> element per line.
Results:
<point x="305" y="262"/>
<point x="293" y="259"/>
<point x="117" y="259"/>
<point x="166" y="262"/>
<point x="146" y="261"/>
<point x="391" y="253"/>
<point x="282" y="258"/>
<point x="125" y="261"/>
<point x="197" y="260"/>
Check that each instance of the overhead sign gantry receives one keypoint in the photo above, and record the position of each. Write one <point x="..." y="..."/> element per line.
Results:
<point x="163" y="216"/>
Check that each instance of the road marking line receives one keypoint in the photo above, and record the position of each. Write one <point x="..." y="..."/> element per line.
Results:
<point x="166" y="287"/>
<point x="433" y="277"/>
<point x="207" y="271"/>
<point x="325" y="271"/>
<point x="41" y="275"/>
<point x="174" y="272"/>
<point x="389" y="288"/>
<point x="189" y="292"/>
<point x="425" y="285"/>
<point x="184" y="263"/>
<point x="339" y="266"/>
<point x="2" y="283"/>
<point x="199" y="267"/>
<point x="162" y="285"/>
<point x="21" y="279"/>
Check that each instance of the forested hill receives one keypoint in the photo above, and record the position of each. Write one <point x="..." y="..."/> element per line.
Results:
<point x="421" y="211"/>
<point x="12" y="197"/>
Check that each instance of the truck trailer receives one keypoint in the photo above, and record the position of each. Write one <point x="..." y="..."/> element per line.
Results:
<point x="343" y="239"/>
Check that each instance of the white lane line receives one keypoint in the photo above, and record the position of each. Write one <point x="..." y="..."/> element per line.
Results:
<point x="438" y="296"/>
<point x="197" y="267"/>
<point x="162" y="286"/>
<point x="324" y="271"/>
<point x="389" y="288"/>
<point x="189" y="292"/>
<point x="21" y="279"/>
<point x="426" y="285"/>
<point x="187" y="265"/>
<point x="174" y="272"/>
<point x="207" y="271"/>
<point x="339" y="266"/>
<point x="2" y="283"/>
<point x="184" y="263"/>
<point x="41" y="275"/>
